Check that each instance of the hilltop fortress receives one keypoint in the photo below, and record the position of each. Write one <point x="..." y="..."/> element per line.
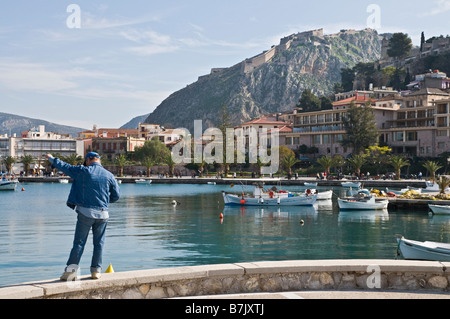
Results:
<point x="314" y="37"/>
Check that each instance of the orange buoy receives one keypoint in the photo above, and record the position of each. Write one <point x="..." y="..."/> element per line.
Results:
<point x="242" y="201"/>
<point x="23" y="189"/>
<point x="221" y="215"/>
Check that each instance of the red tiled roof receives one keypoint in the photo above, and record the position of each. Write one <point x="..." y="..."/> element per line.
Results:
<point x="264" y="121"/>
<point x="357" y="99"/>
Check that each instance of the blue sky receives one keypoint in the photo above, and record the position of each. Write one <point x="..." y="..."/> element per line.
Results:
<point x="126" y="57"/>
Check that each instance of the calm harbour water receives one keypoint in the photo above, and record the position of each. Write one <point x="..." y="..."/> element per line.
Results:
<point x="145" y="231"/>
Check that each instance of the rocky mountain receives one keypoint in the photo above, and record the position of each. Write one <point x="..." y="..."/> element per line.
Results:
<point x="270" y="82"/>
<point x="15" y="124"/>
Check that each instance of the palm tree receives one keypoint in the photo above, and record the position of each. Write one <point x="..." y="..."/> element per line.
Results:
<point x="443" y="183"/>
<point x="73" y="159"/>
<point x="26" y="160"/>
<point x="432" y="167"/>
<point x="121" y="160"/>
<point x="201" y="167"/>
<point x="357" y="161"/>
<point x="170" y="162"/>
<point x="148" y="162"/>
<point x="397" y="163"/>
<point x="8" y="162"/>
<point x="326" y="163"/>
<point x="288" y="161"/>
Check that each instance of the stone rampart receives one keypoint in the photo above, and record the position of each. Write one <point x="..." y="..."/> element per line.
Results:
<point x="276" y="276"/>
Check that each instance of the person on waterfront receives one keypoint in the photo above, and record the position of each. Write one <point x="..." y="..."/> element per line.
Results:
<point x="93" y="188"/>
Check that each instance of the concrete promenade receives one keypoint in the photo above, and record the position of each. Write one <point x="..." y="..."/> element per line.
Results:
<point x="295" y="279"/>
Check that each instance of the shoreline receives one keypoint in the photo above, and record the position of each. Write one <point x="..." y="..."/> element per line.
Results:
<point x="248" y="181"/>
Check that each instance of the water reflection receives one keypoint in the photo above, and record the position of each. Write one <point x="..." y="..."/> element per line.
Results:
<point x="146" y="231"/>
<point x="363" y="215"/>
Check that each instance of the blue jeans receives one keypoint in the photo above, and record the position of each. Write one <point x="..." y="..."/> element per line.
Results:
<point x="84" y="224"/>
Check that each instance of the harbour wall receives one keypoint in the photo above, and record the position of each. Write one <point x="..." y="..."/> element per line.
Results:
<point x="251" y="277"/>
<point x="248" y="181"/>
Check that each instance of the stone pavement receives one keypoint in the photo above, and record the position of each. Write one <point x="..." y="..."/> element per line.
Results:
<point x="328" y="294"/>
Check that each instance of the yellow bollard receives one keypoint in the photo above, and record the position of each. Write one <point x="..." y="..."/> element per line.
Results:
<point x="109" y="269"/>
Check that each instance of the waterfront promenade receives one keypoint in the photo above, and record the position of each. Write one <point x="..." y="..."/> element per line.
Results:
<point x="294" y="279"/>
<point x="249" y="181"/>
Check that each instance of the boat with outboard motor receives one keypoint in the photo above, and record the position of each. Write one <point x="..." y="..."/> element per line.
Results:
<point x="271" y="197"/>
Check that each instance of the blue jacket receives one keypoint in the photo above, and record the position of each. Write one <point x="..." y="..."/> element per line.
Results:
<point x="93" y="186"/>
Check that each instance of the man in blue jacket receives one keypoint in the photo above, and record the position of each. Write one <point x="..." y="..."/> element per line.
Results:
<point x="93" y="188"/>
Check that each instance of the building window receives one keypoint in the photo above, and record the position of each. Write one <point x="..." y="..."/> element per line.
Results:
<point x="411" y="136"/>
<point x="441" y="145"/>
<point x="398" y="137"/>
<point x="316" y="139"/>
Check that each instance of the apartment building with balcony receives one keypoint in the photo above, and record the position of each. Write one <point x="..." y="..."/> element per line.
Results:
<point x="416" y="123"/>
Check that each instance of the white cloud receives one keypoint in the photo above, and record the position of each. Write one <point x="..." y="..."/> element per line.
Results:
<point x="24" y="76"/>
<point x="440" y="6"/>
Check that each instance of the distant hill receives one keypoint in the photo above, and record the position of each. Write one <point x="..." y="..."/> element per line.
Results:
<point x="133" y="123"/>
<point x="15" y="124"/>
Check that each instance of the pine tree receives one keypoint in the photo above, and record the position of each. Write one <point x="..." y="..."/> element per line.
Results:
<point x="361" y="129"/>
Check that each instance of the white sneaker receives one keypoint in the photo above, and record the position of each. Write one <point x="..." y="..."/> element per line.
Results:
<point x="95" y="275"/>
<point x="69" y="276"/>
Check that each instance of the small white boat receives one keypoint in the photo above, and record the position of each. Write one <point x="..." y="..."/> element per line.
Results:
<point x="370" y="203"/>
<point x="440" y="209"/>
<point x="269" y="198"/>
<point x="428" y="250"/>
<point x="143" y="181"/>
<point x="310" y="184"/>
<point x="8" y="185"/>
<point x="211" y="183"/>
<point x="63" y="180"/>
<point x="351" y="184"/>
<point x="325" y="195"/>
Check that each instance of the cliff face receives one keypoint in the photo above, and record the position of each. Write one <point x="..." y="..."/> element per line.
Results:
<point x="271" y="82"/>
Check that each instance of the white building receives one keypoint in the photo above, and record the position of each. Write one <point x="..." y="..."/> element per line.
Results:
<point x="37" y="143"/>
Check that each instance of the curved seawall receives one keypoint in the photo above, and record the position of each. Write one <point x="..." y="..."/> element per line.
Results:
<point x="276" y="276"/>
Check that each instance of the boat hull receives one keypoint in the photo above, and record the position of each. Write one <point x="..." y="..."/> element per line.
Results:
<point x="411" y="249"/>
<point x="440" y="209"/>
<point x="143" y="181"/>
<point x="348" y="204"/>
<point x="233" y="199"/>
<point x="8" y="186"/>
<point x="351" y="184"/>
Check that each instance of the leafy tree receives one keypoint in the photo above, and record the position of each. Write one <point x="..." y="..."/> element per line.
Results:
<point x="399" y="45"/>
<point x="377" y="156"/>
<point x="154" y="149"/>
<point x="397" y="163"/>
<point x="347" y="78"/>
<point x="308" y="101"/>
<point x="361" y="130"/>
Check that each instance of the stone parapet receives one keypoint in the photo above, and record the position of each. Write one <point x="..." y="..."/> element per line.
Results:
<point x="271" y="276"/>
